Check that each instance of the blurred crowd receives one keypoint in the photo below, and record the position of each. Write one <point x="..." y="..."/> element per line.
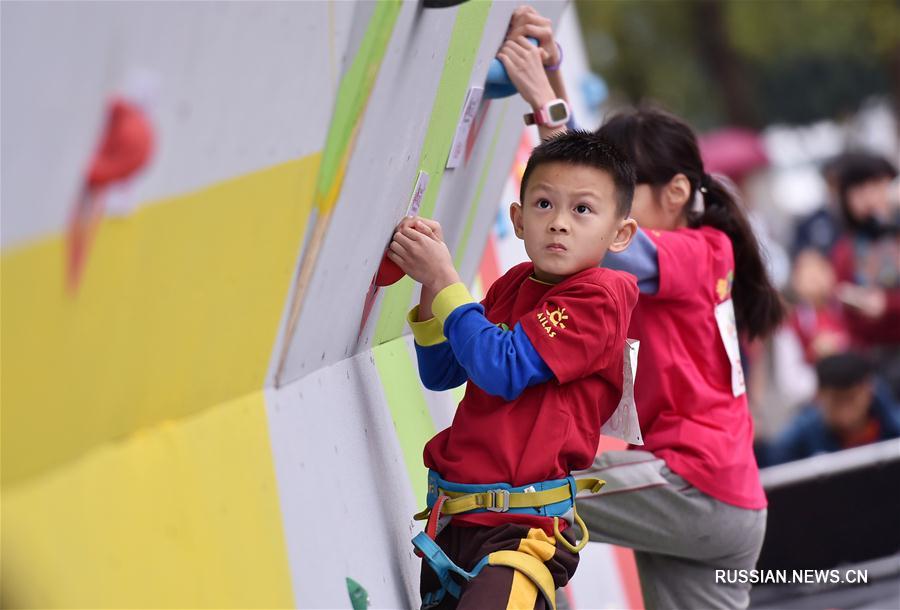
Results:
<point x="830" y="378"/>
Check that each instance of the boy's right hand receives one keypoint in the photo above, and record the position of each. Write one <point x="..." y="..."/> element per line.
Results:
<point x="418" y="251"/>
<point x="432" y="228"/>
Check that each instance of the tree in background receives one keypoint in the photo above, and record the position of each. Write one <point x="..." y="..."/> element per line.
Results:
<point x="747" y="62"/>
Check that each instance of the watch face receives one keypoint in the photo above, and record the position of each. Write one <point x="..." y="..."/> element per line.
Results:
<point x="558" y="112"/>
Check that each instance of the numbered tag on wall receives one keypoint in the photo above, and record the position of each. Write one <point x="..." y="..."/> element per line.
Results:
<point x="728" y="332"/>
<point x="470" y="110"/>
<point x="415" y="201"/>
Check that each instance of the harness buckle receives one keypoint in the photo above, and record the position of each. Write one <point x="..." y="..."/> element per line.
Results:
<point x="495" y="495"/>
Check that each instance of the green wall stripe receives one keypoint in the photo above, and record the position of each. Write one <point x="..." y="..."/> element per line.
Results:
<point x="409" y="411"/>
<point x="353" y="94"/>
<point x="457" y="72"/>
<point x="476" y="199"/>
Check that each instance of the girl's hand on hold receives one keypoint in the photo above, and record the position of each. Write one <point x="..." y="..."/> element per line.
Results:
<point x="522" y="61"/>
<point x="527" y="22"/>
<point x="423" y="257"/>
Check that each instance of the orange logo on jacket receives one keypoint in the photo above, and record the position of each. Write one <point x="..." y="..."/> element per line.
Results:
<point x="551" y="320"/>
<point x="723" y="286"/>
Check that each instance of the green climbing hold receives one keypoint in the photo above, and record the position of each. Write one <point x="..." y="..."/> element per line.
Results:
<point x="359" y="598"/>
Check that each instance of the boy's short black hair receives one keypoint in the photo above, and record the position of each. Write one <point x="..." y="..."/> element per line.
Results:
<point x="586" y="148"/>
<point x="842" y="371"/>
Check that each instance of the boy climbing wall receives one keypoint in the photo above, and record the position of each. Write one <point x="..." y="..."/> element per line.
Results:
<point x="543" y="356"/>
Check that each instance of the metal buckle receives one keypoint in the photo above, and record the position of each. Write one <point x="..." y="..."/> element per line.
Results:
<point x="499" y="493"/>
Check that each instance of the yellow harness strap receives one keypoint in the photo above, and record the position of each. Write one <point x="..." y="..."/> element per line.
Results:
<point x="461" y="502"/>
<point x="584" y="531"/>
<point x="530" y="566"/>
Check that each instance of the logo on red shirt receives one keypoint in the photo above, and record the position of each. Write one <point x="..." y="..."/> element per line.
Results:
<point x="552" y="320"/>
<point x="723" y="286"/>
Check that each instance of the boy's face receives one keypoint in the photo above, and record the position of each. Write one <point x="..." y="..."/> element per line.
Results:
<point x="569" y="220"/>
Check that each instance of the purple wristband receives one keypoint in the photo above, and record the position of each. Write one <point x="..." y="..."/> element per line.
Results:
<point x="558" y="64"/>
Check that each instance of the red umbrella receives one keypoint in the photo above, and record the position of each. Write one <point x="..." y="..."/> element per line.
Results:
<point x="733" y="151"/>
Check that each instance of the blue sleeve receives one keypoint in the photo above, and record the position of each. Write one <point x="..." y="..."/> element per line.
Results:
<point x="438" y="368"/>
<point x="640" y="260"/>
<point x="500" y="362"/>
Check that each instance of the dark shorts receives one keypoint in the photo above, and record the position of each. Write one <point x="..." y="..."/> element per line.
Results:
<point x="499" y="587"/>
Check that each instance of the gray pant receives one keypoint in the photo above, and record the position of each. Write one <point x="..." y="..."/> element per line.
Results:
<point x="680" y="535"/>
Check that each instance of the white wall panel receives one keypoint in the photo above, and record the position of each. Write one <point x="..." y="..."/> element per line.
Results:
<point x="240" y="86"/>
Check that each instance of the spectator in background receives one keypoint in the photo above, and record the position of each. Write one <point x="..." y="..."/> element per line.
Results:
<point x="815" y="328"/>
<point x="867" y="259"/>
<point x="821" y="229"/>
<point x="852" y="408"/>
<point x="817" y="317"/>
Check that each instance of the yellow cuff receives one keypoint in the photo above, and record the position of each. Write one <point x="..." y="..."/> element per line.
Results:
<point x="449" y="299"/>
<point x="428" y="332"/>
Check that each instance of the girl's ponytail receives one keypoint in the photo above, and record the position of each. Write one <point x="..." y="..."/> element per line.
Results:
<point x="661" y="145"/>
<point x="758" y="307"/>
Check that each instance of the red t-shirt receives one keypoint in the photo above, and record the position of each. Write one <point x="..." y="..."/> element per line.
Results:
<point x="871" y="263"/>
<point x="810" y="323"/>
<point x="683" y="390"/>
<point x="578" y="327"/>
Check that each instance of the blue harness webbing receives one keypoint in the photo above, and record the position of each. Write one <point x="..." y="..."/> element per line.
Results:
<point x="443" y="567"/>
<point x="558" y="509"/>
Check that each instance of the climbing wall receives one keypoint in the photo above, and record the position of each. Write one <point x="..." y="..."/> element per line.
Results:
<point x="205" y="402"/>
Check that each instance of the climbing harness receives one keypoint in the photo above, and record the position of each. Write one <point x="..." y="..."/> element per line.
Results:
<point x="555" y="499"/>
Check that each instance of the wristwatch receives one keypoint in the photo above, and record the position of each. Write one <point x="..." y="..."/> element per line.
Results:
<point x="554" y="113"/>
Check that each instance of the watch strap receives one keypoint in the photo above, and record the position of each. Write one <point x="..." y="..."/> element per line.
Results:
<point x="539" y="117"/>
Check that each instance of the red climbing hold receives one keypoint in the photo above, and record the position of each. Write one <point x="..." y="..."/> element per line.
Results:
<point x="126" y="145"/>
<point x="125" y="148"/>
<point x="388" y="272"/>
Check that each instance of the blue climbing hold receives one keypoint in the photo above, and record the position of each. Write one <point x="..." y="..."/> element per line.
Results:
<point x="497" y="83"/>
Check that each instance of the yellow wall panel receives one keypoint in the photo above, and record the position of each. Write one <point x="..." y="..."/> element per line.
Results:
<point x="183" y="514"/>
<point x="178" y="310"/>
